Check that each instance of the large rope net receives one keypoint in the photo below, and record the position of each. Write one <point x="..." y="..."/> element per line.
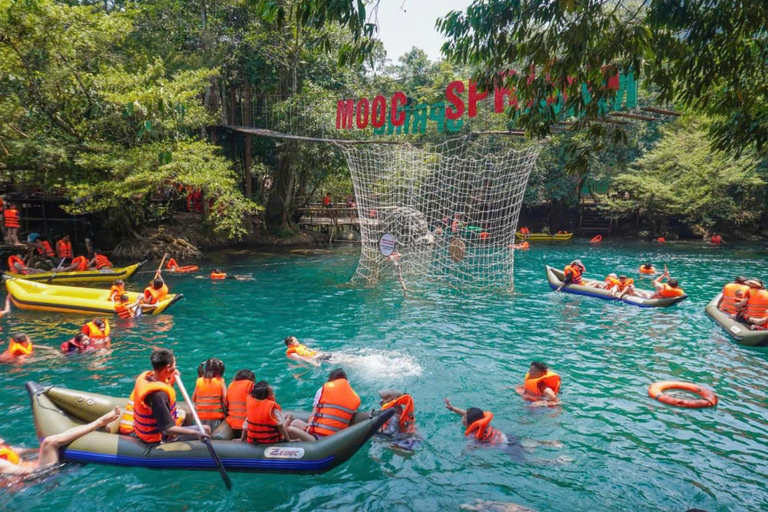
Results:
<point x="440" y="218"/>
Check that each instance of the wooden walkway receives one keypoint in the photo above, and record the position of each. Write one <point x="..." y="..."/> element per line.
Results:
<point x="330" y="220"/>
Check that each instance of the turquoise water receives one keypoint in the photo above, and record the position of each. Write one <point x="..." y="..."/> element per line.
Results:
<point x="620" y="449"/>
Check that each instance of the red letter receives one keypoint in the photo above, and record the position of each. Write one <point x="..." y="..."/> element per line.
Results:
<point x="397" y="118"/>
<point x="362" y="108"/>
<point x="345" y="109"/>
<point x="450" y="96"/>
<point x="379" y="111"/>
<point x="474" y="98"/>
<point x="498" y="99"/>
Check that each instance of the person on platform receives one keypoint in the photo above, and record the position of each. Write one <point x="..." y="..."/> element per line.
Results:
<point x="733" y="294"/>
<point x="540" y="383"/>
<point x="12" y="459"/>
<point x="333" y="407"/>
<point x="327" y="202"/>
<point x="573" y="273"/>
<point x="11" y="219"/>
<point x="210" y="396"/>
<point x="300" y="352"/>
<point x="155" y="416"/>
<point x="237" y="394"/>
<point x="265" y="422"/>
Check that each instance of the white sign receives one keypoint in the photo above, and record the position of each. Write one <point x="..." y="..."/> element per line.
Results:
<point x="386" y="244"/>
<point x="275" y="452"/>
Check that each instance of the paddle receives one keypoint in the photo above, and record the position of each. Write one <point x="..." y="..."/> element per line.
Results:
<point x="50" y="279"/>
<point x="207" y="442"/>
<point x="160" y="268"/>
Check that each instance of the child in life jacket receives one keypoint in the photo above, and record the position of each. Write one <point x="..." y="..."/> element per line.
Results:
<point x="404" y="421"/>
<point x="210" y="396"/>
<point x="300" y="352"/>
<point x="540" y="384"/>
<point x="478" y="425"/>
<point x="79" y="343"/>
<point x="237" y="398"/>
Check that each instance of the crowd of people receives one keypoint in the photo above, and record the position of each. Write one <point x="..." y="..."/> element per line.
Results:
<point x="41" y="257"/>
<point x="621" y="286"/>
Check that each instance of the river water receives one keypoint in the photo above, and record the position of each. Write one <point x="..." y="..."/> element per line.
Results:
<point x="617" y="448"/>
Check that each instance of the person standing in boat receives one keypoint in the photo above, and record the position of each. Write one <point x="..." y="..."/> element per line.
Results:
<point x="11" y="459"/>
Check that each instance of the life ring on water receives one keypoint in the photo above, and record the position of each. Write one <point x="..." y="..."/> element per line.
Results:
<point x="597" y="239"/>
<point x="661" y="240"/>
<point x="644" y="270"/>
<point x="217" y="275"/>
<point x="708" y="398"/>
<point x="186" y="269"/>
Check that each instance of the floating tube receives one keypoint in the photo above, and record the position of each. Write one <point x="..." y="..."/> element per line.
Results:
<point x="70" y="299"/>
<point x="741" y="333"/>
<point x="185" y="269"/>
<point x="555" y="278"/>
<point x="708" y="397"/>
<point x="84" y="276"/>
<point x="56" y="409"/>
<point x="544" y="237"/>
<point x="597" y="239"/>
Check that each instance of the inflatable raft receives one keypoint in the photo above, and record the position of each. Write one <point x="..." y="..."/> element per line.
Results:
<point x="544" y="237"/>
<point x="56" y="409"/>
<point x="740" y="333"/>
<point x="555" y="278"/>
<point x="70" y="299"/>
<point x="84" y="276"/>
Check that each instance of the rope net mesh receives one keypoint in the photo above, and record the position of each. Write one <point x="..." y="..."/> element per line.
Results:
<point x="452" y="210"/>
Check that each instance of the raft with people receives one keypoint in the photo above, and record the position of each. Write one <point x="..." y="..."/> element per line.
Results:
<point x="29" y="295"/>
<point x="56" y="409"/>
<point x="741" y="333"/>
<point x="589" y="288"/>
<point x="81" y="276"/>
<point x="544" y="237"/>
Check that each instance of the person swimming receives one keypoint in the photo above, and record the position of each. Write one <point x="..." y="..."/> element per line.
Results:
<point x="400" y="429"/>
<point x="299" y="352"/>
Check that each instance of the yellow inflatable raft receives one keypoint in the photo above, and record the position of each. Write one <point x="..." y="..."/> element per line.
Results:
<point x="544" y="237"/>
<point x="83" y="276"/>
<point x="70" y="299"/>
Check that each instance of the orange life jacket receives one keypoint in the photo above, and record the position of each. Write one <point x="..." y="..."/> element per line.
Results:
<point x="6" y="453"/>
<point x="668" y="292"/>
<point x="63" y="249"/>
<point x="81" y="262"/>
<point x="407" y="418"/>
<point x="123" y="310"/>
<point x="116" y="291"/>
<point x="102" y="262"/>
<point x="144" y="423"/>
<point x="525" y="231"/>
<point x="20" y="349"/>
<point x="301" y="351"/>
<point x="534" y="386"/>
<point x="525" y="245"/>
<point x="93" y="331"/>
<point x="218" y="275"/>
<point x="627" y="284"/>
<point x="126" y="420"/>
<point x="757" y="304"/>
<point x="716" y="239"/>
<point x="209" y="401"/>
<point x="575" y="273"/>
<point x="11" y="218"/>
<point x="262" y="427"/>
<point x="171" y="264"/>
<point x="610" y="282"/>
<point x="338" y="403"/>
<point x="154" y="296"/>
<point x="645" y="270"/>
<point x="46" y="250"/>
<point x="326" y="201"/>
<point x="14" y="260"/>
<point x="733" y="293"/>
<point x="237" y="394"/>
<point x="484" y="432"/>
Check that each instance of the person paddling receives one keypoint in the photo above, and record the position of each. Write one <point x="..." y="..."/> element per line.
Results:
<point x="573" y="273"/>
<point x="156" y="292"/>
<point x="12" y="459"/>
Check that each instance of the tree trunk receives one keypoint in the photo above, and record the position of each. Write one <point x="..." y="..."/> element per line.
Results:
<point x="277" y="214"/>
<point x="248" y="121"/>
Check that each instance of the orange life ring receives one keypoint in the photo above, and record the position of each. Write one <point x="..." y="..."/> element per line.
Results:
<point x="644" y="270"/>
<point x="597" y="239"/>
<point x="185" y="269"/>
<point x="661" y="240"/>
<point x="708" y="398"/>
<point x="215" y="275"/>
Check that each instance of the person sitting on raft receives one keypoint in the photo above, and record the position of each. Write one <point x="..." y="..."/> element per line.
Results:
<point x="733" y="294"/>
<point x="333" y="407"/>
<point x="210" y="396"/>
<point x="478" y="425"/>
<point x="404" y="421"/>
<point x="573" y="273"/>
<point x="525" y="232"/>
<point x="80" y="343"/>
<point x="11" y="462"/>
<point x="125" y="309"/>
<point x="156" y="292"/>
<point x="540" y="383"/>
<point x="300" y="352"/>
<point x="623" y="287"/>
<point x="44" y="250"/>
<point x="17" y="265"/>
<point x="100" y="262"/>
<point x="154" y="402"/>
<point x="647" y="268"/>
<point x="98" y="331"/>
<point x="755" y="302"/>
<point x="265" y="423"/>
<point x="716" y="239"/>
<point x="237" y="395"/>
<point x="78" y="264"/>
<point x="116" y="290"/>
<point x="667" y="290"/>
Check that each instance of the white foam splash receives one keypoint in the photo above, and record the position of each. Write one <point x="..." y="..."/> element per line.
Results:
<point x="375" y="364"/>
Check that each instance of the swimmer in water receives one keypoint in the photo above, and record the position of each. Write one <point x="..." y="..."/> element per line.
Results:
<point x="11" y="462"/>
<point x="541" y="385"/>
<point x="299" y="352"/>
<point x="401" y="428"/>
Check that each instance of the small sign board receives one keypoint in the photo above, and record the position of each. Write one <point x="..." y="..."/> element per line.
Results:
<point x="387" y="245"/>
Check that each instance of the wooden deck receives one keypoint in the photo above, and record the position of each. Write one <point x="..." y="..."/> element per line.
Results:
<point x="329" y="220"/>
